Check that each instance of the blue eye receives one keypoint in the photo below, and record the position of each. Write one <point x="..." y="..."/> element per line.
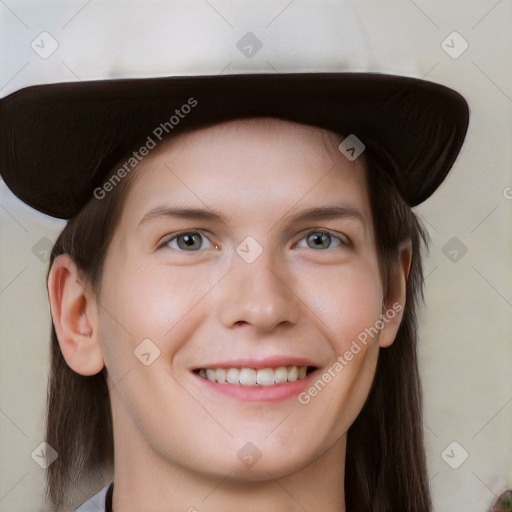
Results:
<point x="322" y="240"/>
<point x="189" y="241"/>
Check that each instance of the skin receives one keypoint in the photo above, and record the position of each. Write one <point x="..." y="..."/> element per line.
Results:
<point x="176" y="440"/>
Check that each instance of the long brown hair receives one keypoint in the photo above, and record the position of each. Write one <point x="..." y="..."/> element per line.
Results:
<point x="79" y="419"/>
<point x="385" y="460"/>
<point x="385" y="467"/>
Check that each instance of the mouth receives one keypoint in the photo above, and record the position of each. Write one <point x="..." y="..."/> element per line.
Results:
<point x="255" y="377"/>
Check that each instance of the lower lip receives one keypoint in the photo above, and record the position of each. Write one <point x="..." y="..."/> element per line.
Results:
<point x="274" y="393"/>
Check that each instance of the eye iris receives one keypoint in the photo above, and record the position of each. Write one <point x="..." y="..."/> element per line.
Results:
<point x="189" y="241"/>
<point x="319" y="240"/>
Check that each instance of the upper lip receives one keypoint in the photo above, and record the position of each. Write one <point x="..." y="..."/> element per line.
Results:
<point x="259" y="362"/>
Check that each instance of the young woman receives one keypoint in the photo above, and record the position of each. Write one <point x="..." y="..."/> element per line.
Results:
<point x="234" y="296"/>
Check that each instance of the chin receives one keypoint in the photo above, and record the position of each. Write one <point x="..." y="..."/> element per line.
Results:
<point x="260" y="460"/>
<point x="266" y="468"/>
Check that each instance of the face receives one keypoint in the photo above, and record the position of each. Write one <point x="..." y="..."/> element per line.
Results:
<point x="235" y="292"/>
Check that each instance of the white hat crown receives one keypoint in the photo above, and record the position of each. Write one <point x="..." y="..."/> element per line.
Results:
<point x="106" y="39"/>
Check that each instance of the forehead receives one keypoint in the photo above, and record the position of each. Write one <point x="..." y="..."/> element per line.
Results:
<point x="259" y="163"/>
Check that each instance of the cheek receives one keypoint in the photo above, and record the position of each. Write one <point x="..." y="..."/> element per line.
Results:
<point x="348" y="303"/>
<point x="349" y="308"/>
<point x="141" y="302"/>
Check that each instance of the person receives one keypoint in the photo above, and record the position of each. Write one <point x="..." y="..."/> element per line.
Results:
<point x="234" y="295"/>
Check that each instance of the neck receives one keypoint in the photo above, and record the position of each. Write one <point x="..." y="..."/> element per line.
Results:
<point x="146" y="481"/>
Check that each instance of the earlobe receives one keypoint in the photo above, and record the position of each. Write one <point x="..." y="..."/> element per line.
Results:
<point x="75" y="317"/>
<point x="393" y="307"/>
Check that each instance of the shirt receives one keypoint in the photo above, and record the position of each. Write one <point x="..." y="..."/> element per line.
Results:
<point x="100" y="502"/>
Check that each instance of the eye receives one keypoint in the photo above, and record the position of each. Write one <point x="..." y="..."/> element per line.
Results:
<point x="322" y="240"/>
<point x="188" y="241"/>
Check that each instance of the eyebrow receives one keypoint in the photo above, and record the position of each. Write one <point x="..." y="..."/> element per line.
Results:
<point x="315" y="213"/>
<point x="325" y="213"/>
<point x="182" y="213"/>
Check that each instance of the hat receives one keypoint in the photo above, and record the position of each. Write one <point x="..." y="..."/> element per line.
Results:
<point x="59" y="140"/>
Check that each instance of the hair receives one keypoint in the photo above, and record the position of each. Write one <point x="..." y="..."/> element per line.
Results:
<point x="78" y="413"/>
<point x="385" y="467"/>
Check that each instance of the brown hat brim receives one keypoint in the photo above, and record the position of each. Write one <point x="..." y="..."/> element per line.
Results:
<point x="58" y="141"/>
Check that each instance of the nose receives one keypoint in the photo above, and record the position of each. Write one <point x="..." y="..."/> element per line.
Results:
<point x="258" y="294"/>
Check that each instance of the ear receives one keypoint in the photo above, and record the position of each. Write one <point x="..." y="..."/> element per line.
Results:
<point x="75" y="317"/>
<point x="393" y="307"/>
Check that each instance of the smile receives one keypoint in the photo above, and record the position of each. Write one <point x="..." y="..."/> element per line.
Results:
<point x="255" y="377"/>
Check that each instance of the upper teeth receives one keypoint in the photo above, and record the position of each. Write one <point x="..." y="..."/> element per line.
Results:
<point x="253" y="377"/>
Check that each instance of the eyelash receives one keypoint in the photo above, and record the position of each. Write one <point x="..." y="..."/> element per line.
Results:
<point x="333" y="235"/>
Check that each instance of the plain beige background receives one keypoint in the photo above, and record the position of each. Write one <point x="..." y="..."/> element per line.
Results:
<point x="466" y="326"/>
